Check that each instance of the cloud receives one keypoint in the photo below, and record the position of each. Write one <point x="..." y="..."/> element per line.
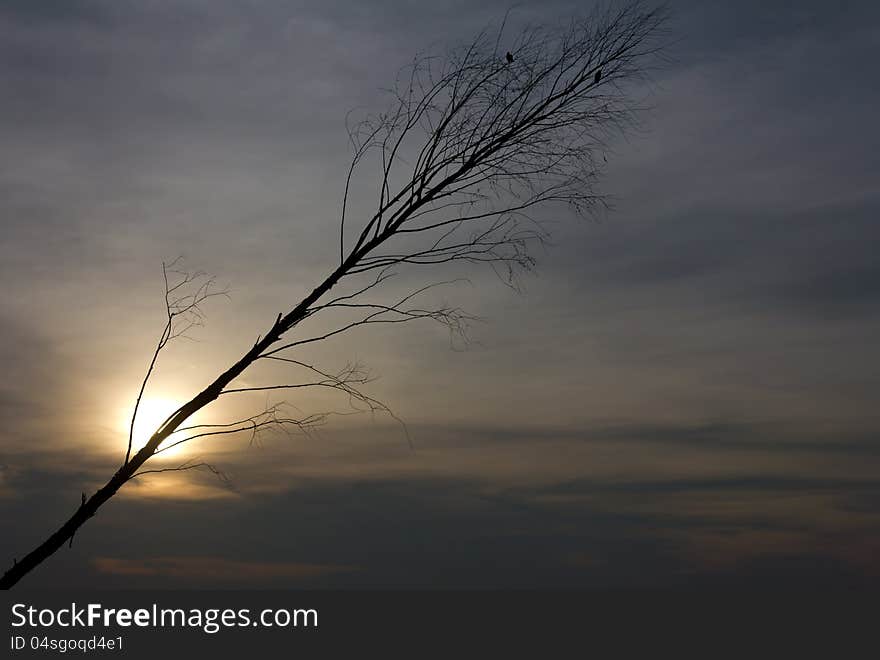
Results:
<point x="215" y="570"/>
<point x="5" y="491"/>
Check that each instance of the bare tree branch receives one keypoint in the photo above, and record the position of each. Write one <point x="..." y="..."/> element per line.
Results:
<point x="191" y="464"/>
<point x="470" y="144"/>
<point x="184" y="294"/>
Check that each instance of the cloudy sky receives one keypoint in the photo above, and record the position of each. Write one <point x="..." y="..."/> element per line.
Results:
<point x="684" y="393"/>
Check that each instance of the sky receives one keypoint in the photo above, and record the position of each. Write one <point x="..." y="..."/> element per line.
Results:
<point x="684" y="393"/>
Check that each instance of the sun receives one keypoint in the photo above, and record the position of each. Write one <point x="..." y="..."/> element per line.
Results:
<point x="152" y="412"/>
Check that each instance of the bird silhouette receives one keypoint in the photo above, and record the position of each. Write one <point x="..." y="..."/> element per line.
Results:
<point x="597" y="77"/>
<point x="509" y="57"/>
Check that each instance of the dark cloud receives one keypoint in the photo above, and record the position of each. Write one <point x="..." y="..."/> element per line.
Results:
<point x="53" y="11"/>
<point x="446" y="534"/>
<point x="764" y="483"/>
<point x="30" y="390"/>
<point x="213" y="570"/>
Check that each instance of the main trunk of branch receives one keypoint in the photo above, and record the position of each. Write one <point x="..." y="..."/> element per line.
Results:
<point x="65" y="532"/>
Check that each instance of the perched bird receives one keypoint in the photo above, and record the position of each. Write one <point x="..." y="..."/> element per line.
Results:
<point x="509" y="57"/>
<point x="597" y="77"/>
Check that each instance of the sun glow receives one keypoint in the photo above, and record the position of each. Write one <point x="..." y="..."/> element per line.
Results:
<point x="152" y="412"/>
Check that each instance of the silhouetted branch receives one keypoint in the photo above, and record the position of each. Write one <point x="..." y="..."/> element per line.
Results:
<point x="493" y="137"/>
<point x="184" y="294"/>
<point x="187" y="466"/>
<point x="454" y="318"/>
<point x="471" y="143"/>
<point x="269" y="419"/>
